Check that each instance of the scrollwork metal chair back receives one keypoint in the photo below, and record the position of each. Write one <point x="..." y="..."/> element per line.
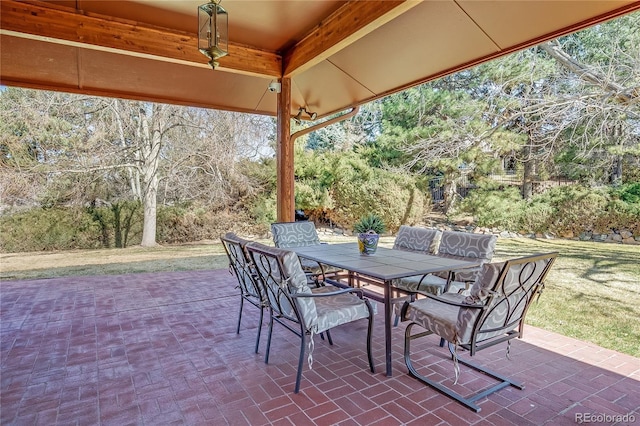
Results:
<point x="507" y="303"/>
<point x="275" y="286"/>
<point x="301" y="309"/>
<point x="493" y="312"/>
<point x="240" y="266"/>
<point x="462" y="246"/>
<point x="418" y="240"/>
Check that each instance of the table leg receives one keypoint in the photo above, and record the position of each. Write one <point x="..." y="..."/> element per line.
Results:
<point x="387" y="325"/>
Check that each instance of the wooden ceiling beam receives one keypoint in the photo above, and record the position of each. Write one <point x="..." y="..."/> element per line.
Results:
<point x="346" y="25"/>
<point x="41" y="20"/>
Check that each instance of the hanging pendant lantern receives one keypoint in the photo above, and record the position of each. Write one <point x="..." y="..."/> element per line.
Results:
<point x="213" y="31"/>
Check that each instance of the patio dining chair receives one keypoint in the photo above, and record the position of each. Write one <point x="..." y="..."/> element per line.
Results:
<point x="301" y="234"/>
<point x="240" y="266"/>
<point x="300" y="310"/>
<point x="454" y="245"/>
<point x="492" y="313"/>
<point x="413" y="239"/>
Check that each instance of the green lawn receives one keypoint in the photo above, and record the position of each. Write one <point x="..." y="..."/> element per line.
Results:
<point x="592" y="292"/>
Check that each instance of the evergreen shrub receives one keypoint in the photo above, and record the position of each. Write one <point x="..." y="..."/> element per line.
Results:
<point x="120" y="222"/>
<point x="495" y="208"/>
<point x="263" y="209"/>
<point x="67" y="228"/>
<point x="41" y="229"/>
<point x="188" y="223"/>
<point x="574" y="208"/>
<point x="359" y="189"/>
<point x="629" y="193"/>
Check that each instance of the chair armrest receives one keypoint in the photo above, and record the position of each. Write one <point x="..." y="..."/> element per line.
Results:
<point x="405" y="306"/>
<point x="357" y="291"/>
<point x="450" y="277"/>
<point x="539" y="291"/>
<point x="452" y="303"/>
<point x="467" y="282"/>
<point x="471" y="268"/>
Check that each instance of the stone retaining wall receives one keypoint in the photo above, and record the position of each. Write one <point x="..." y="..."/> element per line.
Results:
<point x="617" y="237"/>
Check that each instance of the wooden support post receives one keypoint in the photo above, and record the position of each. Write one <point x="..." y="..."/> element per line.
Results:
<point x="284" y="154"/>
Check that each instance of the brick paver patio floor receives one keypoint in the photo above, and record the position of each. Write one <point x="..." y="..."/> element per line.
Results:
<point x="162" y="348"/>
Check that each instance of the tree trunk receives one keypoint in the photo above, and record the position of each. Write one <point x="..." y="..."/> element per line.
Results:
<point x="528" y="173"/>
<point x="450" y="192"/>
<point x="117" y="229"/>
<point x="150" y="208"/>
<point x="127" y="224"/>
<point x="616" y="170"/>
<point x="150" y="142"/>
<point x="104" y="231"/>
<point x="134" y="176"/>
<point x="527" y="180"/>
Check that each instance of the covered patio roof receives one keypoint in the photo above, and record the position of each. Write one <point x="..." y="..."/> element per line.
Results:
<point x="329" y="55"/>
<point x="338" y="54"/>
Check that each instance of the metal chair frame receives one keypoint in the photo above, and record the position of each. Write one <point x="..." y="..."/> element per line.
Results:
<point x="410" y="238"/>
<point x="274" y="281"/>
<point x="240" y="266"/>
<point x="497" y="299"/>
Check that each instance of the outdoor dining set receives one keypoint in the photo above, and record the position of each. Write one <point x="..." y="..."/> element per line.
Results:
<point x="444" y="282"/>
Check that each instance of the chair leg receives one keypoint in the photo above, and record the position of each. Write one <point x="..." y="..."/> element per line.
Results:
<point x="329" y="338"/>
<point x="369" y="332"/>
<point x="397" y="316"/>
<point x="303" y="342"/>
<point x="240" y="314"/>
<point x="259" y="329"/>
<point x="466" y="401"/>
<point x="266" y="355"/>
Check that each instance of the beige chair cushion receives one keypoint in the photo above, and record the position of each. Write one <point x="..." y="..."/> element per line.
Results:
<point x="300" y="234"/>
<point x="294" y="234"/>
<point x="430" y="284"/>
<point x="466" y="246"/>
<point x="317" y="314"/>
<point x="415" y="239"/>
<point x="455" y="323"/>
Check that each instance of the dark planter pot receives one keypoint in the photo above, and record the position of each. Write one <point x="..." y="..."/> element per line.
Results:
<point x="368" y="242"/>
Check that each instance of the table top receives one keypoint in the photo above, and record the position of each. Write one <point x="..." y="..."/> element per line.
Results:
<point x="384" y="264"/>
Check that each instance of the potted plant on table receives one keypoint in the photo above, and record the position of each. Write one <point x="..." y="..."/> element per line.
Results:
<point x="368" y="229"/>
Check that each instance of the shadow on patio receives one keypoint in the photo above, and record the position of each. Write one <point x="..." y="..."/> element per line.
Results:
<point x="162" y="349"/>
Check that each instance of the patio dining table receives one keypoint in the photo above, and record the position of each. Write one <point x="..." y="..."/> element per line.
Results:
<point x="382" y="267"/>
